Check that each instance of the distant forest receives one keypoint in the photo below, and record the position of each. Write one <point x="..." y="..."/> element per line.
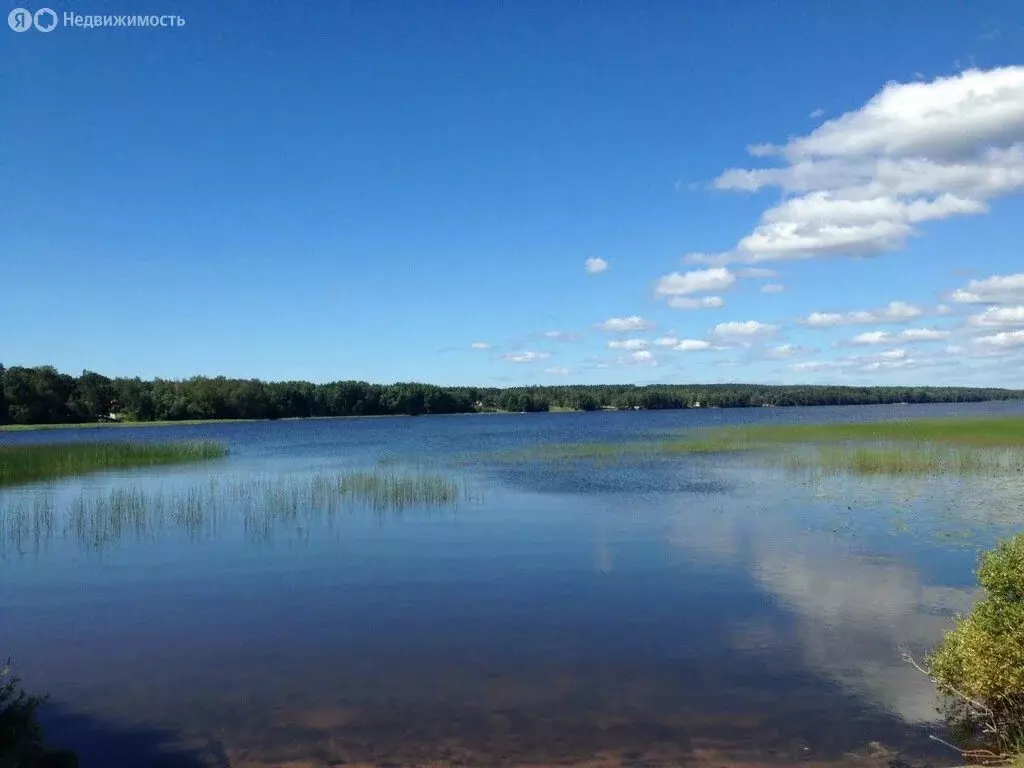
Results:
<point x="45" y="396"/>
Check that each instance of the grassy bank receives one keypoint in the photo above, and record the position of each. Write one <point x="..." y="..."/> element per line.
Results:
<point x="28" y="463"/>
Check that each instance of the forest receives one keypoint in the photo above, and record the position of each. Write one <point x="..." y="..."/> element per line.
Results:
<point x="42" y="395"/>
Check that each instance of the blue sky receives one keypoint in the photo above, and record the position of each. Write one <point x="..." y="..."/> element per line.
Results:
<point x="412" y="191"/>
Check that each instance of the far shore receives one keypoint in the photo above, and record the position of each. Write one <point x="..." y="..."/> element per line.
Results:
<point x="489" y="412"/>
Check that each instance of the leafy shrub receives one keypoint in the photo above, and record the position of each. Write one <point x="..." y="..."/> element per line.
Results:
<point x="20" y="734"/>
<point x="979" y="665"/>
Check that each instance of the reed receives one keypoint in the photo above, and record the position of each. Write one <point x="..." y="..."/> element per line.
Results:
<point x="97" y="518"/>
<point x="925" y="446"/>
<point x="31" y="463"/>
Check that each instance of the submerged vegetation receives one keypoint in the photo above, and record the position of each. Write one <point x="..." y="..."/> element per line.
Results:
<point x="42" y="395"/>
<point x="28" y="463"/>
<point x="979" y="665"/>
<point x="926" y="446"/>
<point x="99" y="517"/>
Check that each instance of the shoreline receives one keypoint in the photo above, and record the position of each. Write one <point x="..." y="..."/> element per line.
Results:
<point x="199" y="422"/>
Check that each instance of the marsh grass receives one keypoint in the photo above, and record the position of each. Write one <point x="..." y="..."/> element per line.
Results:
<point x="96" y="518"/>
<point x="901" y="459"/>
<point x="913" y="447"/>
<point x="989" y="432"/>
<point x="29" y="463"/>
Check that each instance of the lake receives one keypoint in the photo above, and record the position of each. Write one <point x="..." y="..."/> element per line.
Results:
<point x="694" y="610"/>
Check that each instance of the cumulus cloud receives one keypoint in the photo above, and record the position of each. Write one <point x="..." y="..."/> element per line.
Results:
<point x="557" y="371"/>
<point x="595" y="265"/>
<point x="687" y="302"/>
<point x="910" y="335"/>
<point x="895" y="312"/>
<point x="923" y="334"/>
<point x="628" y="344"/>
<point x="872" y="337"/>
<point x="998" y="289"/>
<point x="524" y="357"/>
<point x="861" y="183"/>
<point x="561" y="336"/>
<point x="786" y="350"/>
<point x="1003" y="339"/>
<point x="692" y="345"/>
<point x="695" y="281"/>
<point x="749" y="329"/>
<point x="772" y="288"/>
<point x="629" y="324"/>
<point x="480" y="345"/>
<point x="1006" y="317"/>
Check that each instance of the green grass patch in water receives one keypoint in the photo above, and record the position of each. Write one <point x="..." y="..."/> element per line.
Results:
<point x="911" y="447"/>
<point x="31" y="463"/>
<point x="97" y="518"/>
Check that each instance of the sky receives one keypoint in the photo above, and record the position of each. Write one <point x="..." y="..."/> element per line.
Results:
<point x="497" y="194"/>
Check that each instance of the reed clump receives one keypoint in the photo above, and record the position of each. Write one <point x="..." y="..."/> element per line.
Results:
<point x="31" y="463"/>
<point x="96" y="518"/>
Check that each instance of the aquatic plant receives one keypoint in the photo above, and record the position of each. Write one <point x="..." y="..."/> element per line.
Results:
<point x="927" y="446"/>
<point x="97" y="517"/>
<point x="979" y="665"/>
<point x="19" y="727"/>
<point x="30" y="462"/>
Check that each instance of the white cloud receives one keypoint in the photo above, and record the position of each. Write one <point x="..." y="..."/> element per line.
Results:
<point x="557" y="371"/>
<point x="819" y="112"/>
<point x="705" y="302"/>
<point x="695" y="281"/>
<point x="643" y="357"/>
<point x="942" y="309"/>
<point x="561" y="336"/>
<point x="893" y="354"/>
<point x="1004" y="339"/>
<point x="747" y="329"/>
<point x="480" y="345"/>
<point x="816" y="365"/>
<point x="525" y="357"/>
<point x="692" y="345"/>
<point x="1004" y="317"/>
<point x="628" y="344"/>
<point x="666" y="341"/>
<point x="786" y="350"/>
<point x="625" y="324"/>
<point x="895" y="312"/>
<point x="888" y="360"/>
<point x="594" y="265"/>
<point x="772" y="288"/>
<point x="861" y="183"/>
<point x="923" y="334"/>
<point x="998" y="289"/>
<point x="872" y="337"/>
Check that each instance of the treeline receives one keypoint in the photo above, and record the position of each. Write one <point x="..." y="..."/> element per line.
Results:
<point x="43" y="395"/>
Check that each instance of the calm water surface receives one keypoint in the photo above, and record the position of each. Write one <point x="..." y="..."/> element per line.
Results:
<point x="691" y="610"/>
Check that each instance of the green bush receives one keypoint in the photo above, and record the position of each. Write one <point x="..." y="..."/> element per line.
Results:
<point x="979" y="665"/>
<point x="19" y="731"/>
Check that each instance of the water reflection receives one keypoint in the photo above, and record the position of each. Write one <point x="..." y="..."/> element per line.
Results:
<point x="852" y="607"/>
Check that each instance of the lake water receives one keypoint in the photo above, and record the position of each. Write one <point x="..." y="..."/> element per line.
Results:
<point x="684" y="611"/>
